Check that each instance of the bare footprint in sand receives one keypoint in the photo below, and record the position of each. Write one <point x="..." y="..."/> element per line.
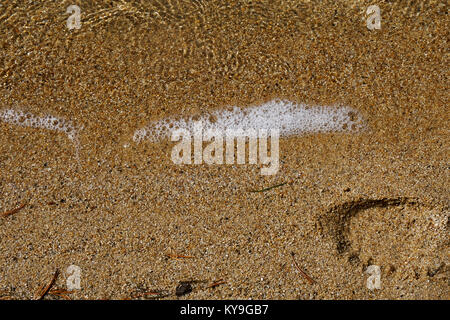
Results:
<point x="406" y="238"/>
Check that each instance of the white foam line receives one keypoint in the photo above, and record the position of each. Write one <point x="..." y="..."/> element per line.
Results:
<point x="26" y="119"/>
<point x="289" y="117"/>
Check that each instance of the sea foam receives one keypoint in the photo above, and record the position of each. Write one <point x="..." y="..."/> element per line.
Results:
<point x="288" y="117"/>
<point x="50" y="122"/>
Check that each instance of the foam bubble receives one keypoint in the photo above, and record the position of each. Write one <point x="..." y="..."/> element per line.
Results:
<point x="26" y="119"/>
<point x="289" y="117"/>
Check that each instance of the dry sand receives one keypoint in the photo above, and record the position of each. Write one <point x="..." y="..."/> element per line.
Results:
<point x="121" y="211"/>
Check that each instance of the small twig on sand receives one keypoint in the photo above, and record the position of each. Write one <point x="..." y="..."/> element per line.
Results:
<point x="60" y="293"/>
<point x="303" y="273"/>
<point x="11" y="212"/>
<point x="44" y="290"/>
<point x="269" y="188"/>
<point x="216" y="283"/>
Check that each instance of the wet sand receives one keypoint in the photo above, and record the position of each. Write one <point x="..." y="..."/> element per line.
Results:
<point x="134" y="222"/>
